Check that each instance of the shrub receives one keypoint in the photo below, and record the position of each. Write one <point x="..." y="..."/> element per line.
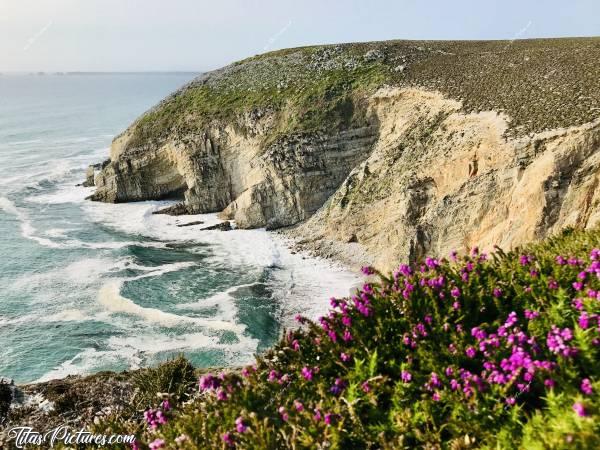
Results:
<point x="478" y="351"/>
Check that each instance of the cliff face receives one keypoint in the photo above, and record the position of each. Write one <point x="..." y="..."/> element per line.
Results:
<point x="380" y="152"/>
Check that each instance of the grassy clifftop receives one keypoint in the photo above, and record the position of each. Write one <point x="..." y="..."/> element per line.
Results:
<point x="541" y="84"/>
<point x="480" y="351"/>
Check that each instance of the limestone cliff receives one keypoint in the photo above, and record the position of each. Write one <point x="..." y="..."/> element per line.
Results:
<point x="380" y="152"/>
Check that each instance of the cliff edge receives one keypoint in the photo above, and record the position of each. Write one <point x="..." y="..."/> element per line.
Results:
<point x="383" y="151"/>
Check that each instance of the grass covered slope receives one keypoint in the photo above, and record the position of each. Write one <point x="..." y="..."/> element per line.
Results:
<point x="481" y="351"/>
<point x="539" y="83"/>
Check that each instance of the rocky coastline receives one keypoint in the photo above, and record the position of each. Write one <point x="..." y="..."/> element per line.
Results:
<point x="378" y="152"/>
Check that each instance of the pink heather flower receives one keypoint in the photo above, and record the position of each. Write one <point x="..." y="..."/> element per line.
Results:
<point x="317" y="415"/>
<point x="455" y="292"/>
<point x="577" y="303"/>
<point x="511" y="319"/>
<point x="434" y="380"/>
<point x="436" y="396"/>
<point x="560" y="260"/>
<point x="283" y="413"/>
<point x="583" y="320"/>
<point x="497" y="292"/>
<point x="347" y="336"/>
<point x="453" y="255"/>
<point x="367" y="270"/>
<point x="470" y="352"/>
<point x="582" y="275"/>
<point x="160" y="416"/>
<point x="530" y="315"/>
<point x="586" y="386"/>
<point x="524" y="260"/>
<point x="478" y="333"/>
<point x="552" y="284"/>
<point x="307" y="373"/>
<point x="332" y="336"/>
<point x="227" y="438"/>
<point x="365" y="387"/>
<point x="165" y="405"/>
<point x="299" y="318"/>
<point x="347" y="321"/>
<point x="135" y="445"/>
<point x="208" y="382"/>
<point x="221" y="395"/>
<point x="345" y="357"/>
<point x="475" y="251"/>
<point x="405" y="376"/>
<point x="431" y="263"/>
<point x="452" y="348"/>
<point x="240" y="426"/>
<point x="156" y="444"/>
<point x="549" y="383"/>
<point x="579" y="409"/>
<point x="456" y="305"/>
<point x="595" y="254"/>
<point x="295" y="345"/>
<point x="510" y="401"/>
<point x="449" y="371"/>
<point x="298" y="405"/>
<point x="329" y="418"/>
<point x="577" y="285"/>
<point x="428" y="319"/>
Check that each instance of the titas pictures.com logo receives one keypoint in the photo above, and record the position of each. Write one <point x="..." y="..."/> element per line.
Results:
<point x="27" y="436"/>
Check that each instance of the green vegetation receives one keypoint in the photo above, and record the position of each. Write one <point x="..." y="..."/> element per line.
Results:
<point x="540" y="84"/>
<point x="492" y="351"/>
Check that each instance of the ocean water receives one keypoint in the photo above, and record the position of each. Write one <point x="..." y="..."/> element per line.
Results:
<point x="87" y="286"/>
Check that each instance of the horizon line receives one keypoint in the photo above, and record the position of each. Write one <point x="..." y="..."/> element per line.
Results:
<point x="96" y="72"/>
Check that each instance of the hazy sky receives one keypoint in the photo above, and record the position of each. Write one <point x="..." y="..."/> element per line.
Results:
<point x="132" y="35"/>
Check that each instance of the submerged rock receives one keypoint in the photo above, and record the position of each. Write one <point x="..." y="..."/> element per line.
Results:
<point x="222" y="226"/>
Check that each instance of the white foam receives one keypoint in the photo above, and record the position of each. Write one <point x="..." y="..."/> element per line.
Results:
<point x="110" y="297"/>
<point x="27" y="229"/>
<point x="69" y="315"/>
<point x="222" y="300"/>
<point x="134" y="351"/>
<point x="66" y="193"/>
<point x="90" y="360"/>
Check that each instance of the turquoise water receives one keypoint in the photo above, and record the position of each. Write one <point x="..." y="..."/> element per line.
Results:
<point x="86" y="286"/>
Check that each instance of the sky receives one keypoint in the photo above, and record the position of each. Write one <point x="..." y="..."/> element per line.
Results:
<point x="199" y="35"/>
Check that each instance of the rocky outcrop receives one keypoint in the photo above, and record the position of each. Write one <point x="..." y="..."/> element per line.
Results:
<point x="379" y="152"/>
<point x="440" y="180"/>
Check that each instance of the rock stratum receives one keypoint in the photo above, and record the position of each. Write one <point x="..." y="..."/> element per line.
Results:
<point x="379" y="152"/>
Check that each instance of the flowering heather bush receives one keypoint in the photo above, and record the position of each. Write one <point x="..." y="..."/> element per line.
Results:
<point x="479" y="351"/>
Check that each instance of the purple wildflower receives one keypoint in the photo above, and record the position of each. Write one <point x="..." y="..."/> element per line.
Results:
<point x="307" y="373"/>
<point x="367" y="270"/>
<point x="586" y="386"/>
<point x="240" y="426"/>
<point x="227" y="438"/>
<point x="579" y="409"/>
<point x="156" y="444"/>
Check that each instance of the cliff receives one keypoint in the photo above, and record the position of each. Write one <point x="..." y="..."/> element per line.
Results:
<point x="383" y="151"/>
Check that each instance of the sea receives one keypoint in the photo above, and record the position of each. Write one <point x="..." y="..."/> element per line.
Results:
<point x="87" y="286"/>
